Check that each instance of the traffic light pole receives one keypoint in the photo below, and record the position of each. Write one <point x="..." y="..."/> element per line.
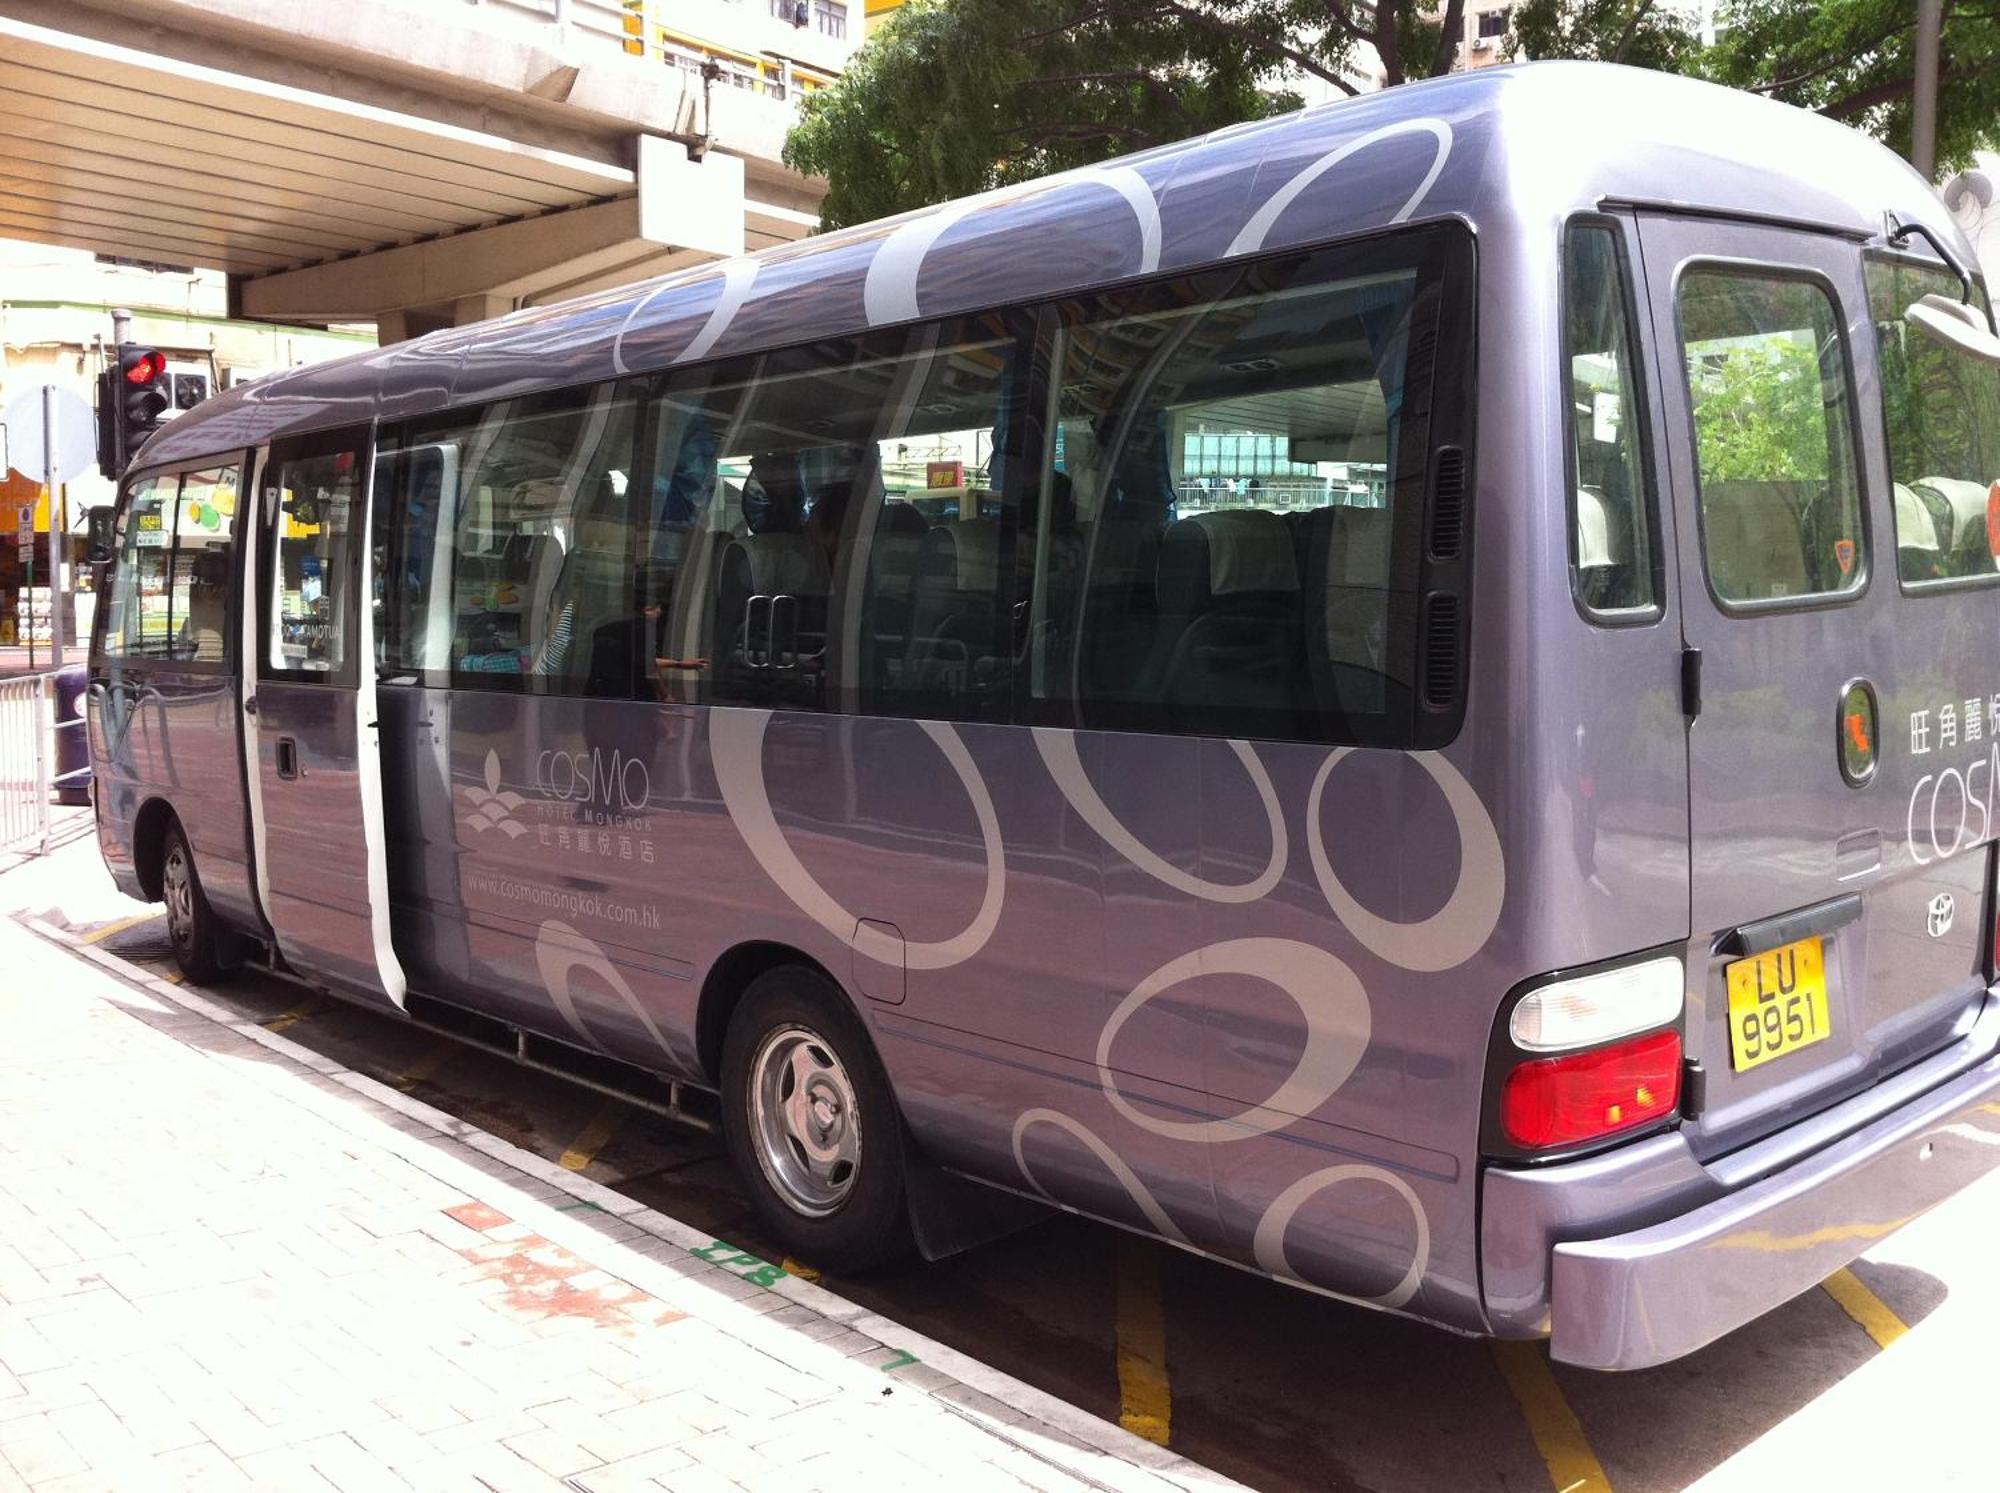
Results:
<point x="55" y="535"/>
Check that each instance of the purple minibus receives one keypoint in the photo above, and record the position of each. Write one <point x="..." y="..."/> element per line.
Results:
<point x="1404" y="697"/>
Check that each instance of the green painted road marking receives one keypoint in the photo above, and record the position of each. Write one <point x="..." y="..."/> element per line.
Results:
<point x="749" y="1267"/>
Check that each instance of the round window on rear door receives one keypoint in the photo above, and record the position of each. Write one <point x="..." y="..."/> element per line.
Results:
<point x="1857" y="732"/>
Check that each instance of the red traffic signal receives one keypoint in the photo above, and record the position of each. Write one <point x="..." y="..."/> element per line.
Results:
<point x="131" y="397"/>
<point x="141" y="365"/>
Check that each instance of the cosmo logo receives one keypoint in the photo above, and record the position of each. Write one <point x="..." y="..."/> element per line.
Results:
<point x="609" y="782"/>
<point x="492" y="809"/>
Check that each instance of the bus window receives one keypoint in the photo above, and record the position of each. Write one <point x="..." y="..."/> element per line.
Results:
<point x="205" y="517"/>
<point x="319" y="509"/>
<point x="140" y="624"/>
<point x="1774" y="437"/>
<point x="827" y="531"/>
<point x="509" y="557"/>
<point x="1942" y="410"/>
<point x="1216" y="532"/>
<point x="1611" y="536"/>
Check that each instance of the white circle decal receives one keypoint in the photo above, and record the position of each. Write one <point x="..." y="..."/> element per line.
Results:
<point x="889" y="293"/>
<point x="1328" y="996"/>
<point x="1252" y="235"/>
<point x="736" y="746"/>
<point x="560" y="951"/>
<point x="1059" y="755"/>
<point x="1113" y="1163"/>
<point x="1269" y="1244"/>
<point x="1456" y="931"/>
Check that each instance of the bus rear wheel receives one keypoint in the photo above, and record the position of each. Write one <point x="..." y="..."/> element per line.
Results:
<point x="198" y="939"/>
<point x="812" y="1127"/>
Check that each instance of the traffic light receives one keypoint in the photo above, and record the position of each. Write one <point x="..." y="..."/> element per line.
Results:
<point x="131" y="396"/>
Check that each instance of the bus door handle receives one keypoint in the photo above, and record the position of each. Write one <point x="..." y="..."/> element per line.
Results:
<point x="288" y="757"/>
<point x="754" y="657"/>
<point x="250" y="706"/>
<point x="784" y="624"/>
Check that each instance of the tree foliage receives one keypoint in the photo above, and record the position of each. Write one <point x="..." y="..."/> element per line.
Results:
<point x="956" y="96"/>
<point x="1855" y="61"/>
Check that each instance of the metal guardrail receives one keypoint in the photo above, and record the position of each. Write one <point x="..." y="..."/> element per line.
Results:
<point x="26" y="755"/>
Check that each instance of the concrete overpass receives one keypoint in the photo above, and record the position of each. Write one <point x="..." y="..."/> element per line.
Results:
<point x="418" y="163"/>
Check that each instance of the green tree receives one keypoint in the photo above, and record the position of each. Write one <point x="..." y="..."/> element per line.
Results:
<point x="955" y="96"/>
<point x="1855" y="61"/>
<point x="1638" y="33"/>
<point x="1759" y="411"/>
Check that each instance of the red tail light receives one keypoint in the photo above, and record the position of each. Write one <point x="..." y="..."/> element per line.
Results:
<point x="1588" y="1095"/>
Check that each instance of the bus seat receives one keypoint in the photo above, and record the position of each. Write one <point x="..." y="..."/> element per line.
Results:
<point x="1603" y="547"/>
<point x="1755" y="539"/>
<point x="207" y="628"/>
<point x="1347" y="598"/>
<point x="893" y="556"/>
<point x="769" y="565"/>
<point x="952" y="606"/>
<point x="1229" y="604"/>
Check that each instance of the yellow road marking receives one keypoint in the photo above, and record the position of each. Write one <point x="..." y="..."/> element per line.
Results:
<point x="1864" y="1306"/>
<point x="792" y="1267"/>
<point x="1145" y="1397"/>
<point x="112" y="930"/>
<point x="1573" y="1466"/>
<point x="583" y="1150"/>
<point x="424" y="1068"/>
<point x="294" y="1016"/>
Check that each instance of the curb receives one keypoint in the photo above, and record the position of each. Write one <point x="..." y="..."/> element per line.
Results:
<point x="666" y="1257"/>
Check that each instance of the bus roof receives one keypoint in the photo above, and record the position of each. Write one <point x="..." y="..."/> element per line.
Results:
<point x="1500" y="148"/>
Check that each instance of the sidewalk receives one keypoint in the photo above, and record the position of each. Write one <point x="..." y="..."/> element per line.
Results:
<point x="227" y="1262"/>
<point x="14" y="659"/>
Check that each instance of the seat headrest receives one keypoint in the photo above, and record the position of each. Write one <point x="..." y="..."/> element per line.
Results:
<point x="1357" y="541"/>
<point x="1233" y="552"/>
<point x="968" y="551"/>
<point x="901" y="518"/>
<point x="784" y="564"/>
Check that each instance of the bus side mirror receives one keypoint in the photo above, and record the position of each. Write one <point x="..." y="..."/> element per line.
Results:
<point x="1956" y="325"/>
<point x="99" y="520"/>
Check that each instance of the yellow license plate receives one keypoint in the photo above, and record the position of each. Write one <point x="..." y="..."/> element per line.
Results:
<point x="1777" y="1003"/>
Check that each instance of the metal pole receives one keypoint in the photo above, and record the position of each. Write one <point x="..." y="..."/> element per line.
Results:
<point x="1923" y="99"/>
<point x="55" y="538"/>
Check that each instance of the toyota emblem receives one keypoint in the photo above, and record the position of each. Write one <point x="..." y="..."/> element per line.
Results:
<point x="1941" y="909"/>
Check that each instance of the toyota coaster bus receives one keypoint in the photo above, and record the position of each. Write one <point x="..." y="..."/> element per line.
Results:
<point x="1404" y="697"/>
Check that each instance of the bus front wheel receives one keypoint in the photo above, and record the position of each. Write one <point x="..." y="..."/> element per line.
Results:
<point x="191" y="924"/>
<point x="812" y="1127"/>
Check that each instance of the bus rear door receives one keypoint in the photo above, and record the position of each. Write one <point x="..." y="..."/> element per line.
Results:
<point x="316" y="788"/>
<point x="1832" y="942"/>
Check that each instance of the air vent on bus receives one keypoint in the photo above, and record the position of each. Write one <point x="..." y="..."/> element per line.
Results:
<point x="1440" y="651"/>
<point x="1448" y="504"/>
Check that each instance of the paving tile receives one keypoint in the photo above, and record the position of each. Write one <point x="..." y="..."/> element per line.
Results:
<point x="224" y="1265"/>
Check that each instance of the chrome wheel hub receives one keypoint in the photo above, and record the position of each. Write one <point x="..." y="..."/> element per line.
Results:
<point x="177" y="889"/>
<point x="804" y="1121"/>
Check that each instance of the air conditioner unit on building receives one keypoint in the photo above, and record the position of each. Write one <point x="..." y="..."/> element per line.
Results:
<point x="187" y="385"/>
<point x="1483" y="43"/>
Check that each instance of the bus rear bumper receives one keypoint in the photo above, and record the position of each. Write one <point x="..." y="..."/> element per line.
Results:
<point x="1635" y="1299"/>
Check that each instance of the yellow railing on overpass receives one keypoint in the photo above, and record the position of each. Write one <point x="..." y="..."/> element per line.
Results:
<point x="762" y="73"/>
